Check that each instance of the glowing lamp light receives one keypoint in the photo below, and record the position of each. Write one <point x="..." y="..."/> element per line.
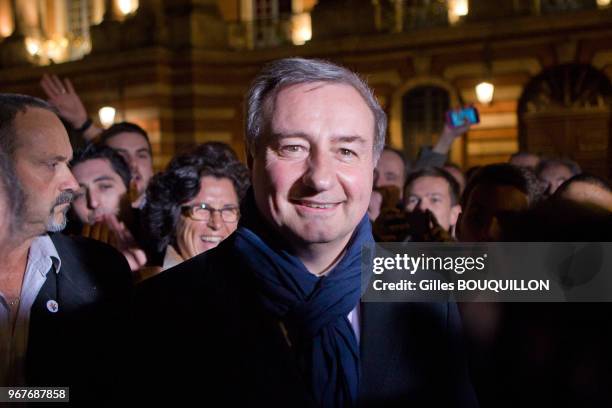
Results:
<point x="484" y="92"/>
<point x="127" y="6"/>
<point x="6" y="26"/>
<point x="107" y="115"/>
<point x="53" y="49"/>
<point x="302" y="28"/>
<point x="460" y="8"/>
<point x="603" y="3"/>
<point x="456" y="10"/>
<point x="32" y="46"/>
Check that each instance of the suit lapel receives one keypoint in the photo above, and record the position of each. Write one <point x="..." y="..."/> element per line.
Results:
<point x="75" y="286"/>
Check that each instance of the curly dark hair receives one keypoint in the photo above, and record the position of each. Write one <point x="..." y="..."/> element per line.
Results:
<point x="180" y="182"/>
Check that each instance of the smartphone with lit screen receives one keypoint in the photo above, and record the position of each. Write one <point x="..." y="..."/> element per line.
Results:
<point x="462" y="116"/>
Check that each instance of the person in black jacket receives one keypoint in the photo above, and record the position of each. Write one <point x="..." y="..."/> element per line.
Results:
<point x="61" y="299"/>
<point x="272" y="316"/>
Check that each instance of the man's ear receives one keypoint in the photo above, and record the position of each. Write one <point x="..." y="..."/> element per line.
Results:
<point x="457" y="229"/>
<point x="455" y="213"/>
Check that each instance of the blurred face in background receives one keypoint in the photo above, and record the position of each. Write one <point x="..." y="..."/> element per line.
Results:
<point x="101" y="190"/>
<point x="486" y="204"/>
<point x="554" y="176"/>
<point x="133" y="147"/>
<point x="208" y="218"/>
<point x="391" y="171"/>
<point x="433" y="194"/>
<point x="525" y="160"/>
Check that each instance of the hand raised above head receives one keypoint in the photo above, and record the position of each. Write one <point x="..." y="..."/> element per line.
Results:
<point x="63" y="97"/>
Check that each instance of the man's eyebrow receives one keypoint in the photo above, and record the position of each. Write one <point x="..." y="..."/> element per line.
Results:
<point x="281" y="135"/>
<point x="143" y="149"/>
<point x="61" y="158"/>
<point x="349" y="139"/>
<point x="104" y="177"/>
<point x="335" y="139"/>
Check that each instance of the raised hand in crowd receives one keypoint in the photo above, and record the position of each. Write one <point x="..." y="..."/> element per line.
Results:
<point x="390" y="224"/>
<point x="114" y="232"/>
<point x="62" y="95"/>
<point x="448" y="136"/>
<point x="395" y="224"/>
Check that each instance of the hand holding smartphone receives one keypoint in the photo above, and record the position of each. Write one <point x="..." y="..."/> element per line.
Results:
<point x="467" y="115"/>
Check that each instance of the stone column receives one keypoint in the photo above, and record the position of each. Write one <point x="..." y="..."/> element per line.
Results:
<point x="13" y="51"/>
<point x="358" y="17"/>
<point x="146" y="27"/>
<point x="196" y="23"/>
<point x="106" y="36"/>
<point x="7" y="18"/>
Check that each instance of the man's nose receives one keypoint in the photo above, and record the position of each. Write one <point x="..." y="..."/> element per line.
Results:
<point x="132" y="165"/>
<point x="321" y="172"/>
<point x="422" y="205"/>
<point x="92" y="199"/>
<point x="68" y="181"/>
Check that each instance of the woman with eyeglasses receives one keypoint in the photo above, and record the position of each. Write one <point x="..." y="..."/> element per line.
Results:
<point x="195" y="203"/>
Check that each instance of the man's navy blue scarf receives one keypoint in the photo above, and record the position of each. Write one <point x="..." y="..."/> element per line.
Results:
<point x="313" y="309"/>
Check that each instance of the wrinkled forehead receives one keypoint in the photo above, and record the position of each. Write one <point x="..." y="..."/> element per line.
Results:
<point x="40" y="131"/>
<point x="428" y="185"/>
<point x="321" y="108"/>
<point x="305" y="91"/>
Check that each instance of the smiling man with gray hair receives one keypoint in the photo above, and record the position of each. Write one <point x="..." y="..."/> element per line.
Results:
<point x="272" y="316"/>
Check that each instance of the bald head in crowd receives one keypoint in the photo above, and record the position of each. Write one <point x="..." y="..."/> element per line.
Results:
<point x="586" y="190"/>
<point x="524" y="159"/>
<point x="554" y="172"/>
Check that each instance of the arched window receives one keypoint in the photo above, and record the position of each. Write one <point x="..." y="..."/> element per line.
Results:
<point x="423" y="113"/>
